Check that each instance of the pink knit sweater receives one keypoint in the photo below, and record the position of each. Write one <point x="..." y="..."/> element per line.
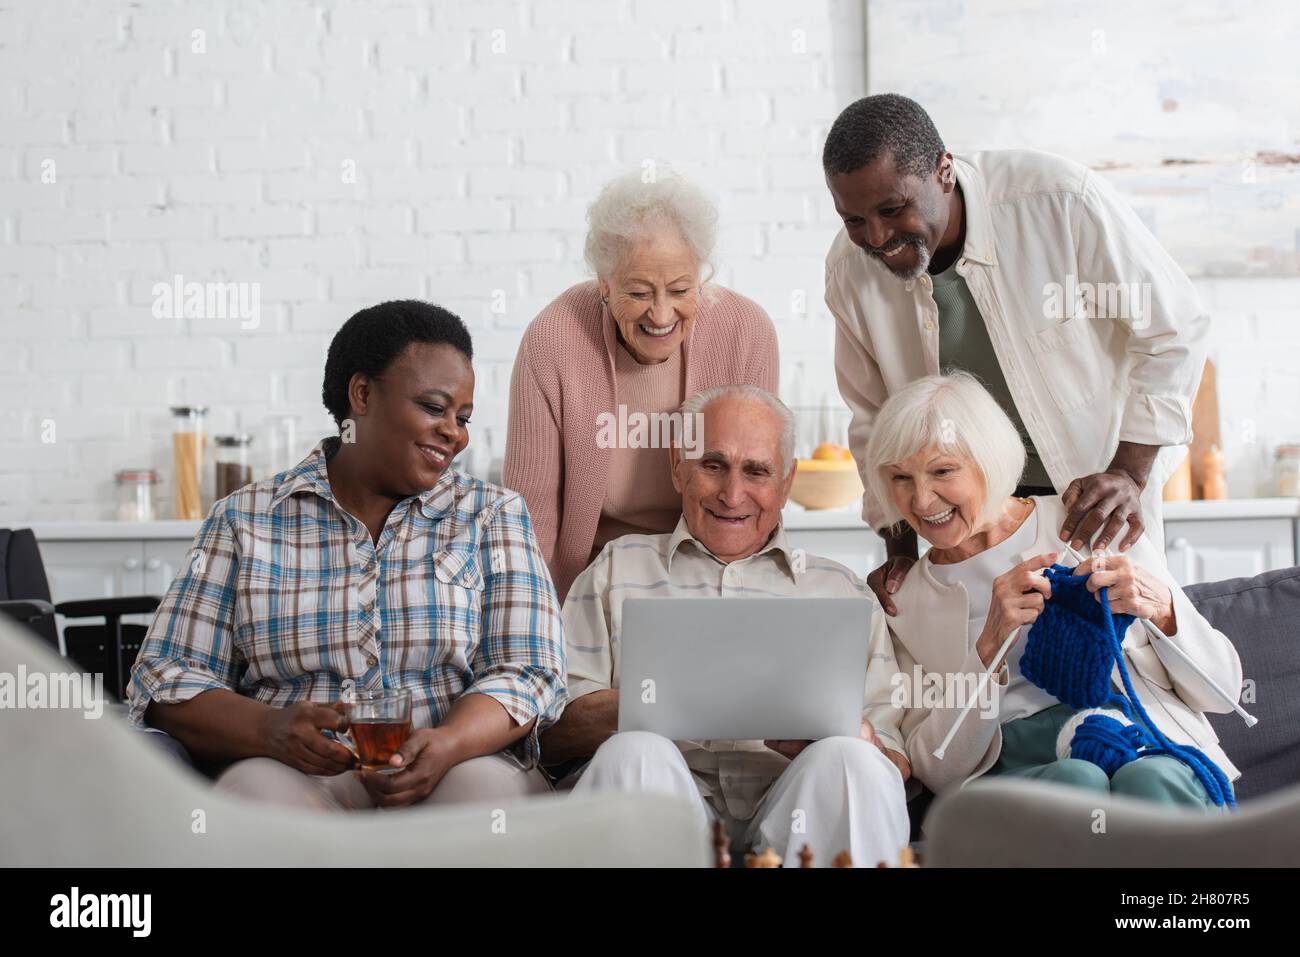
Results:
<point x="564" y="378"/>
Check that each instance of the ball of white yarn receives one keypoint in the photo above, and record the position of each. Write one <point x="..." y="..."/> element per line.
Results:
<point x="1066" y="736"/>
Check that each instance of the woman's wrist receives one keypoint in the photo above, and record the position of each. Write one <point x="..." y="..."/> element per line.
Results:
<point x="987" y="648"/>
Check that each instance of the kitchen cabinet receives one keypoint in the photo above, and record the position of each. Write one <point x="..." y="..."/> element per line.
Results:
<point x="860" y="549"/>
<point x="1206" y="551"/>
<point x="162" y="561"/>
<point x="112" y="559"/>
<point x="91" y="569"/>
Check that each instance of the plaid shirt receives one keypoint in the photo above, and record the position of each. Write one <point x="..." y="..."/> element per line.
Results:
<point x="286" y="596"/>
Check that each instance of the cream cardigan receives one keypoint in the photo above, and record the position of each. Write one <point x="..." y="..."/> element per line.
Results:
<point x="564" y="378"/>
<point x="931" y="631"/>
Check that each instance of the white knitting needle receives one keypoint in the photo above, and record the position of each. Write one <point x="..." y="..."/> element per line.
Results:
<point x="1157" y="634"/>
<point x="997" y="663"/>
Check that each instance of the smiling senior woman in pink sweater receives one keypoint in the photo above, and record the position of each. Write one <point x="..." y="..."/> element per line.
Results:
<point x="649" y="331"/>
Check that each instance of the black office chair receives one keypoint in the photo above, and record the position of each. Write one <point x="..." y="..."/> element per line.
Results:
<point x="108" y="649"/>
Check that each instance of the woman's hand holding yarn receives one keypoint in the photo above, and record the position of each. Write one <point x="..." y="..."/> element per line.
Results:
<point x="1131" y="589"/>
<point x="1018" y="597"/>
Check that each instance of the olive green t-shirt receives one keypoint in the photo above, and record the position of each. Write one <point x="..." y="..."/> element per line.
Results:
<point x="964" y="344"/>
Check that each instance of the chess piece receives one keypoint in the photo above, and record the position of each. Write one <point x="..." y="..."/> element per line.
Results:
<point x="769" y="858"/>
<point x="805" y="856"/>
<point x="721" y="845"/>
<point x="842" y="859"/>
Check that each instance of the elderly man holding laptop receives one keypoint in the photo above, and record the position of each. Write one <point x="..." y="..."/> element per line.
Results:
<point x="734" y="702"/>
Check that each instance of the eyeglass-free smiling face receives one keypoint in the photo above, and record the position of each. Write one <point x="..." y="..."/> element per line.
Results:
<point x="940" y="493"/>
<point x="732" y="495"/>
<point x="413" y="419"/>
<point x="897" y="218"/>
<point x="653" y="296"/>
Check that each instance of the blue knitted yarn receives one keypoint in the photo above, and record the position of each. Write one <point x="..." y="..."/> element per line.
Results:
<point x="1070" y="653"/>
<point x="1107" y="743"/>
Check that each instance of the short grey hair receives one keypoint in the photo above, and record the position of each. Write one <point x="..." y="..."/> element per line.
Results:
<point x="953" y="412"/>
<point x="697" y="403"/>
<point x="627" y="210"/>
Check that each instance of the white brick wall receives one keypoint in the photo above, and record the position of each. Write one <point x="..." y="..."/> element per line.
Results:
<point x="1255" y="344"/>
<point x="477" y="132"/>
<point x="1192" y="109"/>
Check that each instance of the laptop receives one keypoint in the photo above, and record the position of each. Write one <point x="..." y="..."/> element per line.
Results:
<point x="696" y="669"/>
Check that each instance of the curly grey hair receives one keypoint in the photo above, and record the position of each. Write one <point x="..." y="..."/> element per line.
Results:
<point x="628" y="209"/>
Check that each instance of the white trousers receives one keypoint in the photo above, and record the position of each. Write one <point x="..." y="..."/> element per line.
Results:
<point x="838" y="794"/>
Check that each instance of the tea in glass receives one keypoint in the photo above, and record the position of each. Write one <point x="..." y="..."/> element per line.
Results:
<point x="379" y="723"/>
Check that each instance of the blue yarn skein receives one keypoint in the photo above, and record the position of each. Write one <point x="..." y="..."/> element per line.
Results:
<point x="1107" y="743"/>
<point x="1070" y="653"/>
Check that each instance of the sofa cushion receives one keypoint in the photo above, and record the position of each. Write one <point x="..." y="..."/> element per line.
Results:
<point x="1261" y="616"/>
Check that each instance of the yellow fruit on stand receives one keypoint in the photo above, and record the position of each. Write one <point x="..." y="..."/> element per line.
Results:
<point x="826" y="482"/>
<point x="831" y="452"/>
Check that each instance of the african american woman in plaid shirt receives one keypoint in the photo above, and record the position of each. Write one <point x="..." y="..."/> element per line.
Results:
<point x="373" y="563"/>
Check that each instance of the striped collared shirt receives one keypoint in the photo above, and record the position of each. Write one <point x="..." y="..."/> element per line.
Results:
<point x="733" y="775"/>
<point x="286" y="597"/>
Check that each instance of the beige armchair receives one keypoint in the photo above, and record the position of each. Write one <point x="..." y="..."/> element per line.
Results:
<point x="83" y="791"/>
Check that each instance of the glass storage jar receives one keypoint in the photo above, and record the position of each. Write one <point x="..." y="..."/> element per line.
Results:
<point x="234" y="467"/>
<point x="1286" y="470"/>
<point x="188" y="439"/>
<point x="135" y="495"/>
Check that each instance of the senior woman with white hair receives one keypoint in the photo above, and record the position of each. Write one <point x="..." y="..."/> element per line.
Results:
<point x="618" y="352"/>
<point x="945" y="459"/>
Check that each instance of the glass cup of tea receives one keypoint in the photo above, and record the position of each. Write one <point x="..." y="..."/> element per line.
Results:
<point x="379" y="722"/>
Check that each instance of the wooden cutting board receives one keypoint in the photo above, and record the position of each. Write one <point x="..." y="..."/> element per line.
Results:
<point x="1205" y="426"/>
<point x="1188" y="479"/>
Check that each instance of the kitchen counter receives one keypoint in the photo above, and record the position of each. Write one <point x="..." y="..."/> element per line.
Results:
<point x="850" y="517"/>
<point x="1204" y="541"/>
<point x="796" y="519"/>
<point x="1232" y="508"/>
<point x="108" y="530"/>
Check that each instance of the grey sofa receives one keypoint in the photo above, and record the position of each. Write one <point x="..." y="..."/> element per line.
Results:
<point x="1262" y="617"/>
<point x="1023" y="823"/>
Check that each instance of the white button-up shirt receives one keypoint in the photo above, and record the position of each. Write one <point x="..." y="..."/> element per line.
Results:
<point x="1100" y="335"/>
<point x="732" y="775"/>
